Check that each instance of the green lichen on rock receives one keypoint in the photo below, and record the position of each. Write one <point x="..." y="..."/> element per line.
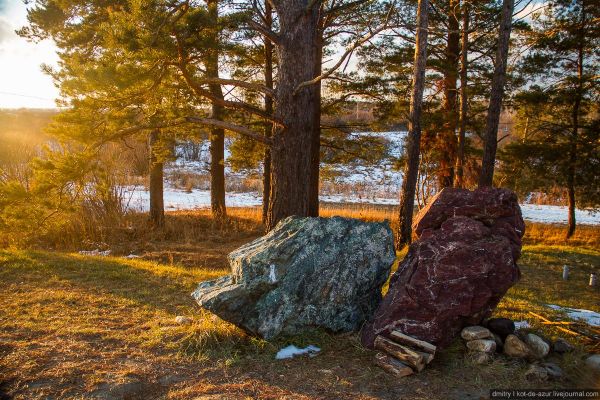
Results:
<point x="306" y="273"/>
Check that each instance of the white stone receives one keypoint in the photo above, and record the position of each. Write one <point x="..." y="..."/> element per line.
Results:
<point x="475" y="332"/>
<point x="539" y="348"/>
<point x="593" y="362"/>
<point x="482" y="345"/>
<point x="514" y="347"/>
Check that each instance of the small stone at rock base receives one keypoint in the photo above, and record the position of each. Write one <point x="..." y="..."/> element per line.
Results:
<point x="593" y="362"/>
<point x="182" y="320"/>
<point x="499" y="342"/>
<point x="536" y="373"/>
<point x="514" y="347"/>
<point x="553" y="370"/>
<point x="501" y="326"/>
<point x="479" y="357"/>
<point x="561" y="346"/>
<point x="539" y="348"/>
<point x="482" y="345"/>
<point x="475" y="332"/>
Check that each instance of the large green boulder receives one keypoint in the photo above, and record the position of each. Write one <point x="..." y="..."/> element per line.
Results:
<point x="306" y="273"/>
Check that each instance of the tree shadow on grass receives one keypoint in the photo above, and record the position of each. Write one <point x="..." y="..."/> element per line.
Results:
<point x="164" y="287"/>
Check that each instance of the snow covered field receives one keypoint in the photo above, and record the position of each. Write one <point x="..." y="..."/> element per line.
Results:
<point x="138" y="199"/>
<point x="557" y="215"/>
<point x="377" y="184"/>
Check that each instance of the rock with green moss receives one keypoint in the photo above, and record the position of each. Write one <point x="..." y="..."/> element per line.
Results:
<point x="306" y="273"/>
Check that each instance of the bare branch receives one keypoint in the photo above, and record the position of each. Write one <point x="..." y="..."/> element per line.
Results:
<point x="242" y="130"/>
<point x="349" y="50"/>
<point x="268" y="33"/>
<point x="200" y="91"/>
<point x="341" y="7"/>
<point x="196" y="86"/>
<point x="235" y="82"/>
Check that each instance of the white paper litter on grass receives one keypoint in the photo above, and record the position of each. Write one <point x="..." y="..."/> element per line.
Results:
<point x="292" y="351"/>
<point x="522" y="324"/>
<point x="589" y="317"/>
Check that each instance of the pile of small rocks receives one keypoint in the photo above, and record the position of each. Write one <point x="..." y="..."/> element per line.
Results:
<point x="500" y="336"/>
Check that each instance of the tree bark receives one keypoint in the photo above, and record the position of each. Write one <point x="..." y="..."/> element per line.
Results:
<point x="497" y="92"/>
<point x="316" y="139"/>
<point x="291" y="152"/>
<point x="217" y="135"/>
<point x="268" y="54"/>
<point x="575" y="131"/>
<point x="447" y="140"/>
<point x="157" y="206"/>
<point x="407" y="198"/>
<point x="464" y="106"/>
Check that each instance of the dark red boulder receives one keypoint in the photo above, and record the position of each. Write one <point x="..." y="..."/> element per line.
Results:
<point x="457" y="271"/>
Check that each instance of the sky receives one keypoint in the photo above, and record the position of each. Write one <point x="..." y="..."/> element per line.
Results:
<point x="22" y="82"/>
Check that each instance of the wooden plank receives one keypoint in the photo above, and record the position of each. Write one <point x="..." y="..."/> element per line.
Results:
<point x="570" y="332"/>
<point x="392" y="365"/>
<point x="402" y="338"/>
<point x="402" y="353"/>
<point x="427" y="357"/>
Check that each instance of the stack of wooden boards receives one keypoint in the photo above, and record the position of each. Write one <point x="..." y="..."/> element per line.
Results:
<point x="401" y="354"/>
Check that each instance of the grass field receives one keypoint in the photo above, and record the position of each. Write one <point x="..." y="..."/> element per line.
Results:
<point x="74" y="326"/>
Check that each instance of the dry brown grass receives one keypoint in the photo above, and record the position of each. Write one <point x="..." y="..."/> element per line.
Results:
<point x="586" y="236"/>
<point x="192" y="238"/>
<point x="535" y="233"/>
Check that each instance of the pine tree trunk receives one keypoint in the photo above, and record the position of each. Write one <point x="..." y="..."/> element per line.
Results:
<point x="464" y="106"/>
<point x="497" y="92"/>
<point x="571" y="193"/>
<point x="157" y="206"/>
<point x="292" y="150"/>
<point x="407" y="198"/>
<point x="268" y="54"/>
<point x="575" y="131"/>
<point x="217" y="135"/>
<point x="316" y="142"/>
<point x="447" y="140"/>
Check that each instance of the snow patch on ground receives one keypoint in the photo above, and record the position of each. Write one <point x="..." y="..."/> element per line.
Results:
<point x="138" y="199"/>
<point x="589" y="317"/>
<point x="292" y="351"/>
<point x="557" y="214"/>
<point x="522" y="324"/>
